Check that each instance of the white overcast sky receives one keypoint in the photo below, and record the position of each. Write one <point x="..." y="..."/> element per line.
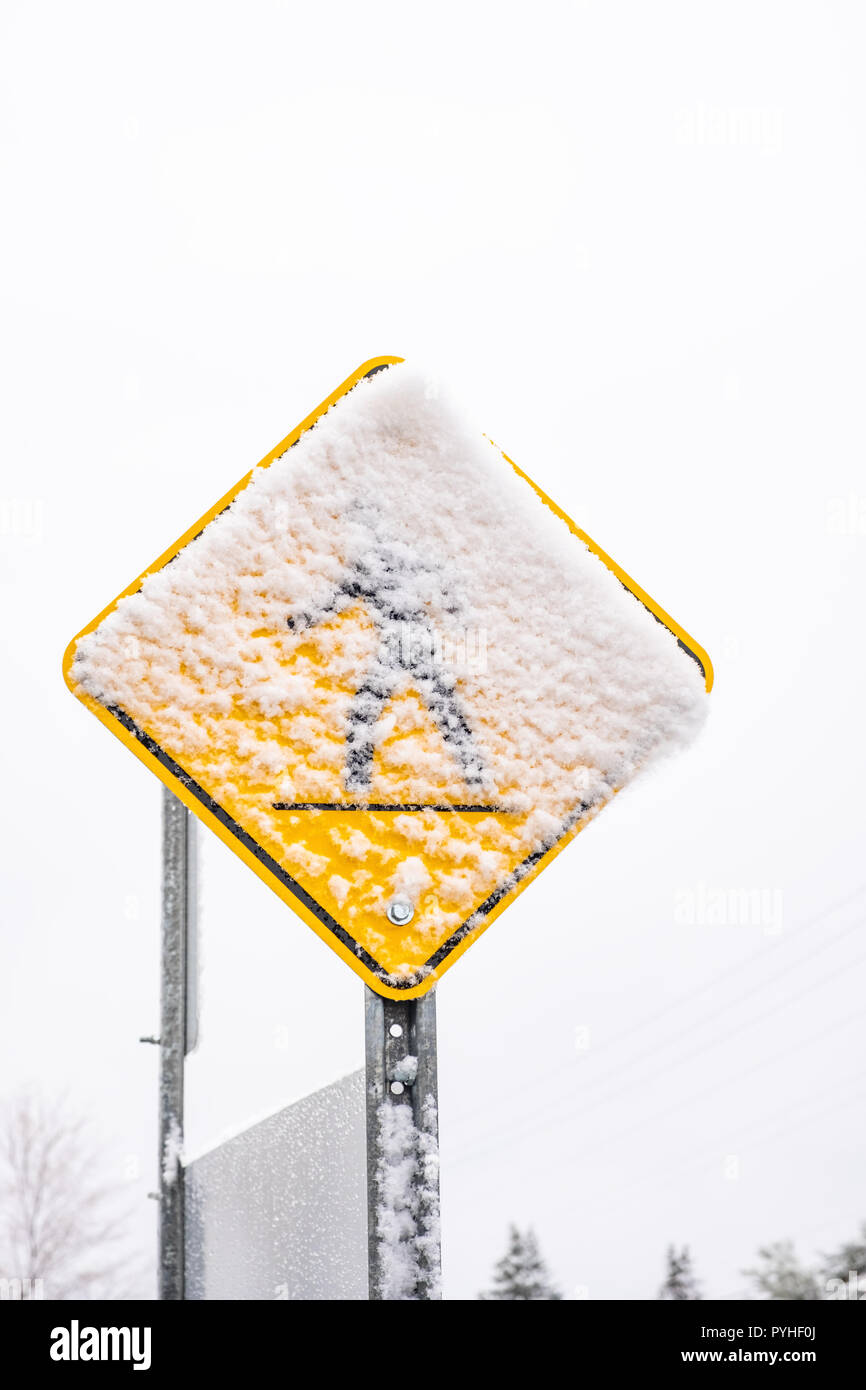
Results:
<point x="633" y="238"/>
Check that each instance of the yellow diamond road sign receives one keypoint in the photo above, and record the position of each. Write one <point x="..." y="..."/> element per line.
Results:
<point x="391" y="675"/>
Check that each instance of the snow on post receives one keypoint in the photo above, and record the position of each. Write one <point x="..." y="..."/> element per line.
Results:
<point x="407" y="1217"/>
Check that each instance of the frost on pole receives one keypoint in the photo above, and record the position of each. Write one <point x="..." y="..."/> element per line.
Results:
<point x="391" y="675"/>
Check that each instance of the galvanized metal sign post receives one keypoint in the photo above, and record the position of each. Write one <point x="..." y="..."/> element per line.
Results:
<point x="402" y="1148"/>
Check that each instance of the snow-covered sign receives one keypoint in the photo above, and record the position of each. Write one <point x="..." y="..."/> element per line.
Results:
<point x="392" y="675"/>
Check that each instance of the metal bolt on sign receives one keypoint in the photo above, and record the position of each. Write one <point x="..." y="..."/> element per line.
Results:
<point x="400" y="911"/>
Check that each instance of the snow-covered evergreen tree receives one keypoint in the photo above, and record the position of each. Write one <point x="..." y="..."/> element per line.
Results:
<point x="843" y="1272"/>
<point x="680" y="1283"/>
<point x="779" y="1275"/>
<point x="522" y="1274"/>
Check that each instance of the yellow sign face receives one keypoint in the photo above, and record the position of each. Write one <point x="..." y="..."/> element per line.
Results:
<point x="391" y="675"/>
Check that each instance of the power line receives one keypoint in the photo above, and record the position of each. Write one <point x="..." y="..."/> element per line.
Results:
<point x="688" y="1100"/>
<point x="562" y="1114"/>
<point x="711" y="983"/>
<point x="738" y="1135"/>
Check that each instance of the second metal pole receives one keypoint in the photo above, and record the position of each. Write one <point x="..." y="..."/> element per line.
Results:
<point x="177" y="1030"/>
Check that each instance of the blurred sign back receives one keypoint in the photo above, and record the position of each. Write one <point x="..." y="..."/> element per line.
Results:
<point x="280" y="1211"/>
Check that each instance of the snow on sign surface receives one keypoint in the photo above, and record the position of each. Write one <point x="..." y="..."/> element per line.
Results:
<point x="391" y="675"/>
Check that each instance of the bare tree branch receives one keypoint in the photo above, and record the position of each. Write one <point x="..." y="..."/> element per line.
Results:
<point x="61" y="1222"/>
